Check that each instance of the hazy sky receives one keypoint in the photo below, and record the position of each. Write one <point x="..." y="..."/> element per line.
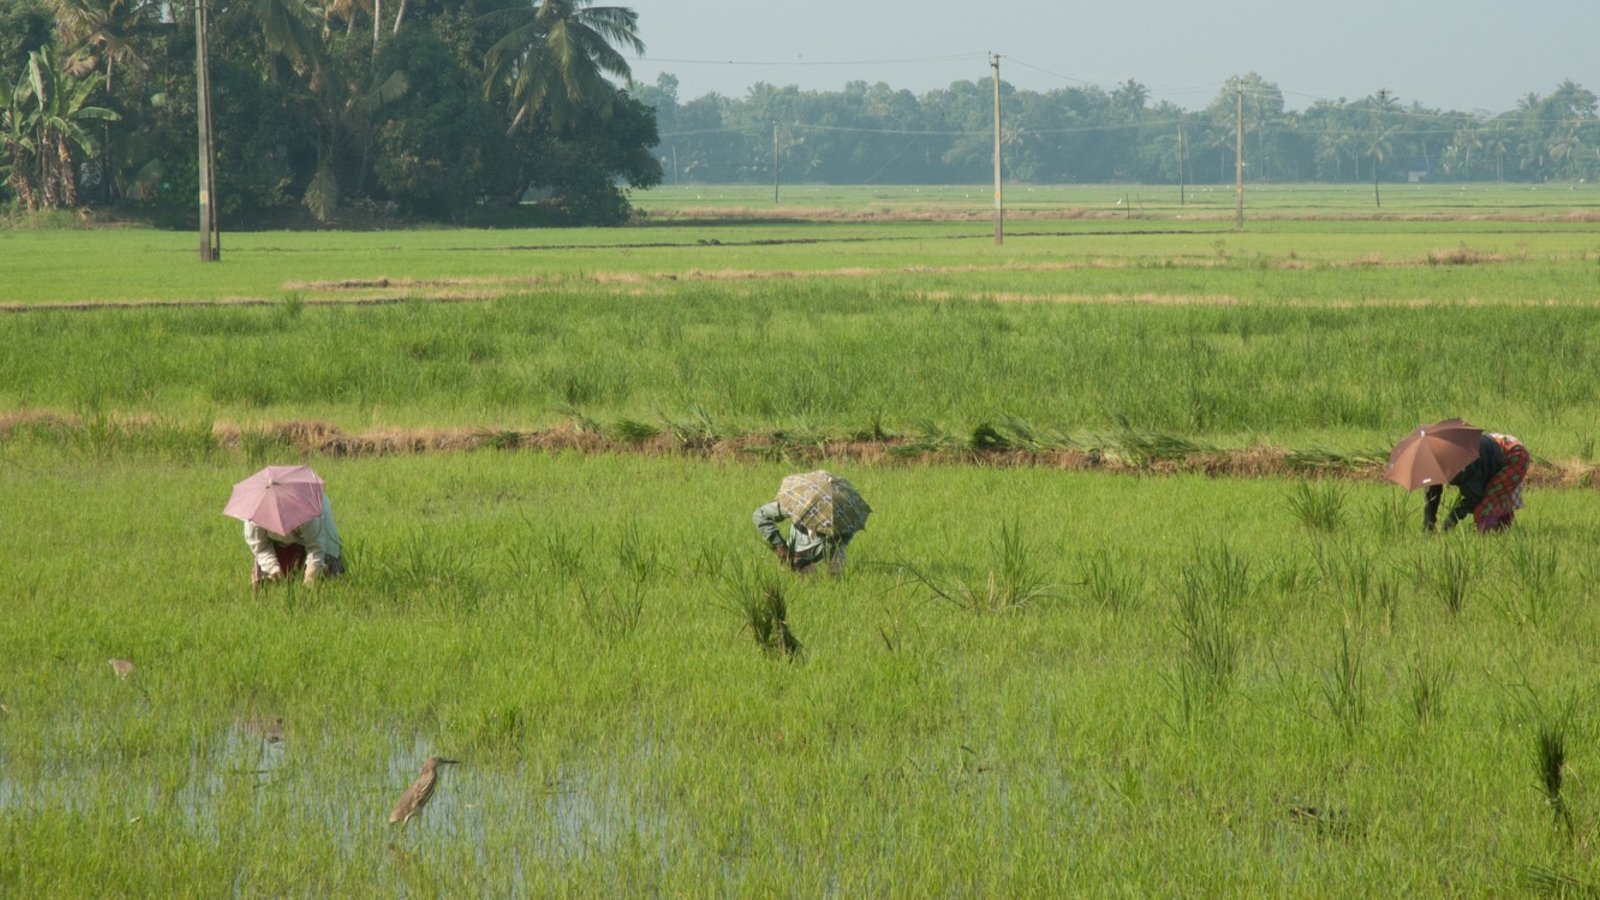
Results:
<point x="1451" y="54"/>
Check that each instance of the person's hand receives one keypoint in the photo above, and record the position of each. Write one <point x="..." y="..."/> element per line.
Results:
<point x="274" y="575"/>
<point x="311" y="574"/>
<point x="783" y="554"/>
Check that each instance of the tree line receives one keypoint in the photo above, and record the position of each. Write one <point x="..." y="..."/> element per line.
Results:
<point x="876" y="134"/>
<point x="448" y="109"/>
<point x="465" y="110"/>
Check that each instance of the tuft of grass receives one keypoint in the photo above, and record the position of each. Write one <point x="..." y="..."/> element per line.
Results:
<point x="1343" y="686"/>
<point x="760" y="599"/>
<point x="611" y="613"/>
<point x="1452" y="572"/>
<point x="1429" y="681"/>
<point x="1535" y="569"/>
<point x="1213" y="585"/>
<point x="638" y="556"/>
<point x="1319" y="505"/>
<point x="1013" y="580"/>
<point x="1112" y="584"/>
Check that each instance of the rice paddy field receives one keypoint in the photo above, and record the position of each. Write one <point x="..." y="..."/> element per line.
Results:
<point x="1134" y="613"/>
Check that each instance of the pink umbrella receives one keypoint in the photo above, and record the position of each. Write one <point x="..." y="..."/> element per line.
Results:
<point x="278" y="498"/>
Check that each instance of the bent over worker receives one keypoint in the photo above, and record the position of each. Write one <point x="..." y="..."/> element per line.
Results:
<point x="825" y="513"/>
<point x="314" y="542"/>
<point x="1490" y="486"/>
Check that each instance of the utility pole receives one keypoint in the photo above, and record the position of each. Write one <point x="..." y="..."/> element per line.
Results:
<point x="1180" y="165"/>
<point x="1238" y="159"/>
<point x="1383" y="99"/>
<point x="774" y="163"/>
<point x="210" y="242"/>
<point x="674" y="163"/>
<point x="999" y="209"/>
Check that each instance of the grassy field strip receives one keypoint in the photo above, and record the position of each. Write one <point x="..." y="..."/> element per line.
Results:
<point x="76" y="267"/>
<point x="1107" y="689"/>
<point x="383" y="289"/>
<point x="813" y="357"/>
<point x="1004" y="444"/>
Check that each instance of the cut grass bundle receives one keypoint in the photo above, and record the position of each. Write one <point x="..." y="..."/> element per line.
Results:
<point x="759" y="597"/>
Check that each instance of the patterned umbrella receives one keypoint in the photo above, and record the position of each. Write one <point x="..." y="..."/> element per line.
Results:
<point x="1433" y="454"/>
<point x="278" y="498"/>
<point x="823" y="503"/>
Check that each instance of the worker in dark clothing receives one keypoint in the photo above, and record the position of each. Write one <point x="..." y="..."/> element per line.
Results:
<point x="1491" y="486"/>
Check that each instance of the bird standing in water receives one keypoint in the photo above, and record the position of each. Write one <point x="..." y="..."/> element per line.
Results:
<point x="420" y="791"/>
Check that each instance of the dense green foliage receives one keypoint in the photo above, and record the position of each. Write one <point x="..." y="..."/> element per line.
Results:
<point x="874" y="134"/>
<point x="310" y="110"/>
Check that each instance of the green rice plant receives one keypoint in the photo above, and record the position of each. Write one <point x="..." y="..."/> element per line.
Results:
<point x="1551" y="730"/>
<point x="1429" y="681"/>
<point x="1387" y="592"/>
<point x="1343" y="686"/>
<point x="611" y="612"/>
<point x="1391" y="514"/>
<point x="422" y="565"/>
<point x="1451" y="572"/>
<point x="564" y="553"/>
<point x="1347" y="571"/>
<point x="1534" y="564"/>
<point x="1113" y="584"/>
<point x="1319" y="505"/>
<point x="1214" y="584"/>
<point x="1013" y="580"/>
<point x="759" y="598"/>
<point x="1549" y="882"/>
<point x="638" y="555"/>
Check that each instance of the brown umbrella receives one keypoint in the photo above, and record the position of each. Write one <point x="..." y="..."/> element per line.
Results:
<point x="1433" y="454"/>
<point x="278" y="498"/>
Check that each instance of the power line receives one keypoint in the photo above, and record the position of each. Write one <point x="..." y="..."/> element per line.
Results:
<point x="802" y="62"/>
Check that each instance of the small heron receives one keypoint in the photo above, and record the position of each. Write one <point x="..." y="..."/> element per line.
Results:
<point x="420" y="792"/>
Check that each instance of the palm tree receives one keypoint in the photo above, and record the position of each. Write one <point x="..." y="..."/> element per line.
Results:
<point x="286" y="27"/>
<point x="1468" y="140"/>
<point x="556" y="58"/>
<point x="98" y="31"/>
<point x="1498" y="141"/>
<point x="42" y="126"/>
<point x="1564" y="148"/>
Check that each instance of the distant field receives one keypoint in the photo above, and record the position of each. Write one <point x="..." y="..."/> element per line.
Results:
<point x="1131" y="202"/>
